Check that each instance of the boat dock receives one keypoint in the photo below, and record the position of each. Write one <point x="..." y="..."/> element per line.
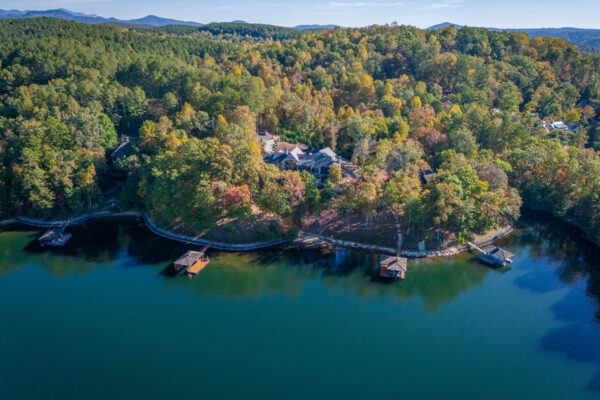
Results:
<point x="494" y="255"/>
<point x="55" y="237"/>
<point x="192" y="261"/>
<point x="392" y="267"/>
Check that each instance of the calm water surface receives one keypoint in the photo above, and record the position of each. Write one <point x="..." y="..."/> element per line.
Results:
<point x="104" y="317"/>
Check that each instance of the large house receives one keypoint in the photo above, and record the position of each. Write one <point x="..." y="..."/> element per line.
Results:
<point x="317" y="163"/>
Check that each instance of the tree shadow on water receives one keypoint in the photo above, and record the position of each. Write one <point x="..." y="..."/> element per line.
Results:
<point x="562" y="258"/>
<point x="580" y="342"/>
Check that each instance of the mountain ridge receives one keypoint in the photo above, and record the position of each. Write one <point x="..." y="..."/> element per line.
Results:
<point x="61" y="13"/>
<point x="588" y="39"/>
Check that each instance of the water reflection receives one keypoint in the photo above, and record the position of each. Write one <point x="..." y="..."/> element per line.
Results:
<point x="545" y="251"/>
<point x="270" y="272"/>
<point x="550" y="257"/>
<point x="558" y="257"/>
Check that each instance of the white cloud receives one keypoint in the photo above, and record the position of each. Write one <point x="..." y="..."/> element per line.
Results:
<point x="444" y="4"/>
<point x="367" y="4"/>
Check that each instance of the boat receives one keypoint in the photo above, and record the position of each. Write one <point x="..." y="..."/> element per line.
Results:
<point x="494" y="256"/>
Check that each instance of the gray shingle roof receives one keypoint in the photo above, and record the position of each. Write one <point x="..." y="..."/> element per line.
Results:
<point x="189" y="258"/>
<point x="498" y="252"/>
<point x="395" y="263"/>
<point x="323" y="158"/>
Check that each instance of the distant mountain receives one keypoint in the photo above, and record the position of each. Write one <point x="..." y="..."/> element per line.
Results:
<point x="443" y="25"/>
<point x="153" y="20"/>
<point x="11" y="12"/>
<point x="61" y="13"/>
<point x="588" y="39"/>
<point x="305" y="27"/>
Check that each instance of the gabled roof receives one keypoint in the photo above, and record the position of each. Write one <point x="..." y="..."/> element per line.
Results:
<point x="281" y="156"/>
<point x="120" y="149"/>
<point x="558" y="125"/>
<point x="327" y="151"/>
<point x="322" y="158"/>
<point x="282" y="146"/>
<point x="395" y="263"/>
<point x="50" y="234"/>
<point x="498" y="252"/>
<point x="189" y="258"/>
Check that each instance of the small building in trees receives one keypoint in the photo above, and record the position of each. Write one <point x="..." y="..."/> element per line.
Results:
<point x="120" y="150"/>
<point x="561" y="125"/>
<point x="427" y="176"/>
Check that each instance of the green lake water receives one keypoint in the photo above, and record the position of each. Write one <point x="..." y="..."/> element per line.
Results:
<point x="105" y="318"/>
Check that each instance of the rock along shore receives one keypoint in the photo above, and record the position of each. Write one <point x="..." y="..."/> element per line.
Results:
<point x="304" y="239"/>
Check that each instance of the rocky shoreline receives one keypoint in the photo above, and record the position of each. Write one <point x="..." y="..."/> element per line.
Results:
<point x="310" y="239"/>
<point x="305" y="239"/>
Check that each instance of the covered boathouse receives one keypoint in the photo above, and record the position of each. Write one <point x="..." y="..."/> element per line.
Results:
<point x="192" y="261"/>
<point x="393" y="267"/>
<point x="54" y="238"/>
<point x="497" y="256"/>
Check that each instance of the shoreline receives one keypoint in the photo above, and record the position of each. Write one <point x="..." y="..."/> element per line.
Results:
<point x="311" y="239"/>
<point x="304" y="239"/>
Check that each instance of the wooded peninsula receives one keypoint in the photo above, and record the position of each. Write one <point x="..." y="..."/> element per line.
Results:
<point x="255" y="132"/>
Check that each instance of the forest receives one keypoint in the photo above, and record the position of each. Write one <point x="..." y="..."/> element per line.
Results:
<point x="471" y="105"/>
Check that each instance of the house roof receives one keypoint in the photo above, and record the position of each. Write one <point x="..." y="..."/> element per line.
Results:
<point x="317" y="160"/>
<point x="120" y="149"/>
<point x="281" y="156"/>
<point x="282" y="146"/>
<point x="327" y="151"/>
<point x="322" y="158"/>
<point x="189" y="258"/>
<point x="428" y="175"/>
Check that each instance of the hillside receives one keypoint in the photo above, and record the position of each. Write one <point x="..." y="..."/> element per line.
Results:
<point x="445" y="132"/>
<point x="588" y="39"/>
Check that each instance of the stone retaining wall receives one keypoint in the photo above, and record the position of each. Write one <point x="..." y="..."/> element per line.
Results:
<point x="303" y="238"/>
<point x="41" y="223"/>
<point x="202" y="242"/>
<point x="406" y="253"/>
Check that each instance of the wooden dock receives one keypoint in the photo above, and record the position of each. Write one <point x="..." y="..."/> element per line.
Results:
<point x="55" y="237"/>
<point x="392" y="267"/>
<point x="494" y="255"/>
<point x="193" y="261"/>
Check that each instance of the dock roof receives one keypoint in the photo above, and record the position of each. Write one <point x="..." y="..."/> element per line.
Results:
<point x="189" y="258"/>
<point x="395" y="263"/>
<point x="498" y="252"/>
<point x="50" y="234"/>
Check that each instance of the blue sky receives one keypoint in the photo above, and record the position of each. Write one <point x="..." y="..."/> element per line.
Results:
<point x="421" y="13"/>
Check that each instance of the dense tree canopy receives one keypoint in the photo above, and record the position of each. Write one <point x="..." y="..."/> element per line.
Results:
<point x="469" y="104"/>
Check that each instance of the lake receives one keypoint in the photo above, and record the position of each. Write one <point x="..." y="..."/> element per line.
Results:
<point x="105" y="317"/>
